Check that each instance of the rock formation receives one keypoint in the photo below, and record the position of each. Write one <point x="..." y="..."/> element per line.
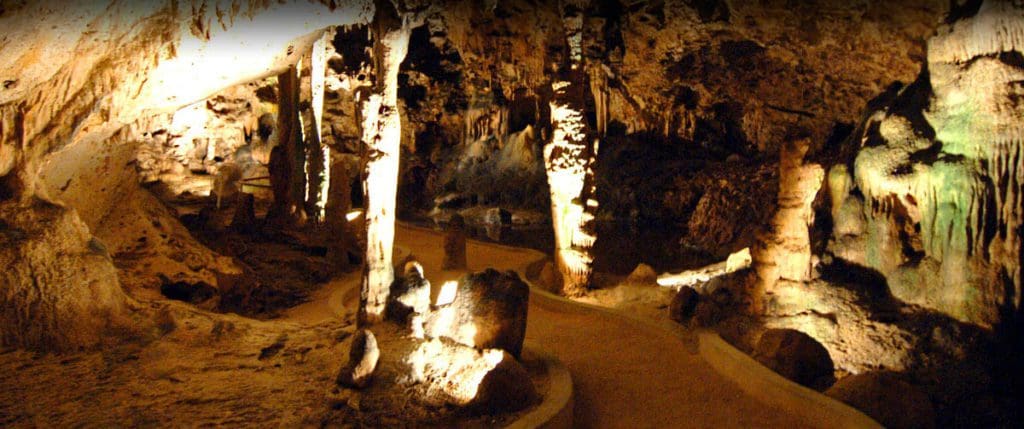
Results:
<point x="568" y="159"/>
<point x="488" y="311"/>
<point x="783" y="252"/>
<point x="362" y="361"/>
<point x="455" y="244"/>
<point x="932" y="199"/>
<point x="131" y="62"/>
<point x="60" y="290"/>
<point x="382" y="131"/>
<point x="796" y="356"/>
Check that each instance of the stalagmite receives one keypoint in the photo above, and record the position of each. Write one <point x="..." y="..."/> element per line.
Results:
<point x="318" y="154"/>
<point x="568" y="158"/>
<point x="382" y="131"/>
<point x="287" y="178"/>
<point x="455" y="244"/>
<point x="784" y="251"/>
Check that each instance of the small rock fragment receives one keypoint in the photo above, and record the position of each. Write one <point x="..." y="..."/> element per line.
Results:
<point x="362" y="361"/>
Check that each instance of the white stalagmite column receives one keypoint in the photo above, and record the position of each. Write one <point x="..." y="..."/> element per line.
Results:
<point x="382" y="132"/>
<point x="568" y="158"/>
<point x="319" y="157"/>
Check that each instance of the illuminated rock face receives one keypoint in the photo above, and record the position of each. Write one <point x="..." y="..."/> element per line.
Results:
<point x="179" y="55"/>
<point x="488" y="311"/>
<point x="488" y="381"/>
<point x="132" y="60"/>
<point x="362" y="361"/>
<point x="933" y="201"/>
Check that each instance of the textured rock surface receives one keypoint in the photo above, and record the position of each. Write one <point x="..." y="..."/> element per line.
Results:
<point x="489" y="311"/>
<point x="892" y="402"/>
<point x="409" y="300"/>
<point x="932" y="200"/>
<point x="59" y="290"/>
<point x="130" y="62"/>
<point x="683" y="305"/>
<point x="488" y="381"/>
<point x="192" y="369"/>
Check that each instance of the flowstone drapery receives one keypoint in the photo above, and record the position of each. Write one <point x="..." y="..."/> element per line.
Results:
<point x="933" y="200"/>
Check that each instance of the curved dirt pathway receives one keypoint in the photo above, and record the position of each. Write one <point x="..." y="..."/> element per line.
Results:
<point x="625" y="374"/>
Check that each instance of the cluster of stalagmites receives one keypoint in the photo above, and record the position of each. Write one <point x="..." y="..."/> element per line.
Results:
<point x="460" y="350"/>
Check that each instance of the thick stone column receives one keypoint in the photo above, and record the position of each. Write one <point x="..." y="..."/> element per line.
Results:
<point x="382" y="132"/>
<point x="783" y="253"/>
<point x="568" y="158"/>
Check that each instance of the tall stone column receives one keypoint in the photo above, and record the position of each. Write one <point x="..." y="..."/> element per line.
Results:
<point x="288" y="157"/>
<point x="318" y="154"/>
<point x="382" y="132"/>
<point x="568" y="158"/>
<point x="783" y="253"/>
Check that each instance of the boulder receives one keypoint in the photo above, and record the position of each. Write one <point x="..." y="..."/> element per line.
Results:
<point x="244" y="220"/>
<point x="486" y="381"/>
<point x="886" y="398"/>
<point x="550" y="278"/>
<point x="708" y="313"/>
<point x="498" y="216"/>
<point x="455" y="245"/>
<point x="488" y="311"/>
<point x="409" y="299"/>
<point x="683" y="304"/>
<point x="643" y="275"/>
<point x="362" y="361"/>
<point x="59" y="289"/>
<point x="505" y="387"/>
<point x="796" y="356"/>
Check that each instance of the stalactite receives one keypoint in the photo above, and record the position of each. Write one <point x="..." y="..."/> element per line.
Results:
<point x="998" y="27"/>
<point x="599" y="90"/>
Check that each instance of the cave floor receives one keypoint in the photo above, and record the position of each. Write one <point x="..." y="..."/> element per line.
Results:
<point x="230" y="370"/>
<point x="623" y="377"/>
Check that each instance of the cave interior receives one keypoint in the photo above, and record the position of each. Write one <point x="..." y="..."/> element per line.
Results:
<point x="453" y="213"/>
